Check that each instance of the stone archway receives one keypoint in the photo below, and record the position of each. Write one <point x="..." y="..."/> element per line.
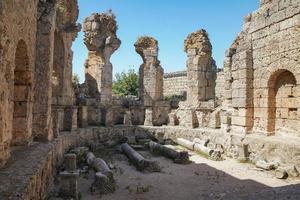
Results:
<point x="58" y="69"/>
<point x="22" y="96"/>
<point x="282" y="102"/>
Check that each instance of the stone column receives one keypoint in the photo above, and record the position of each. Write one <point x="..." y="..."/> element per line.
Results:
<point x="151" y="73"/>
<point x="128" y="118"/>
<point x="201" y="68"/>
<point x="83" y="116"/>
<point x="69" y="178"/>
<point x="101" y="41"/>
<point x="42" y="127"/>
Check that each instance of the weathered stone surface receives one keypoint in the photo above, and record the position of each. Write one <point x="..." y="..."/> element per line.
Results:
<point x="175" y="84"/>
<point x="201" y="68"/>
<point x="101" y="40"/>
<point x="151" y="73"/>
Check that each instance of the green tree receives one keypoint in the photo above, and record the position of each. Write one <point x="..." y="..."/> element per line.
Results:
<point x="75" y="80"/>
<point x="126" y="83"/>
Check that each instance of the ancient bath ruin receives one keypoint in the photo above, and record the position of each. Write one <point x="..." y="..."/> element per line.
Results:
<point x="232" y="132"/>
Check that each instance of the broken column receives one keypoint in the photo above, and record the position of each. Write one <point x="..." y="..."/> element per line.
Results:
<point x="201" y="68"/>
<point x="138" y="160"/>
<point x="69" y="178"/>
<point x="104" y="179"/>
<point x="178" y="157"/>
<point x="101" y="41"/>
<point x="151" y="73"/>
<point x="151" y="79"/>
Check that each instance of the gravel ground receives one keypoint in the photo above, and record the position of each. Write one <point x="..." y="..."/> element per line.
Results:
<point x="200" y="179"/>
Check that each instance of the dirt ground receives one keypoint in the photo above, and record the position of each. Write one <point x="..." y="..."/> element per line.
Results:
<point x="201" y="179"/>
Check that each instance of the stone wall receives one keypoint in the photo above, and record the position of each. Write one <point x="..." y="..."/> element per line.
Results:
<point x="260" y="147"/>
<point x="17" y="61"/>
<point x="175" y="83"/>
<point x="263" y="66"/>
<point x="35" y="65"/>
<point x="201" y="68"/>
<point x="219" y="89"/>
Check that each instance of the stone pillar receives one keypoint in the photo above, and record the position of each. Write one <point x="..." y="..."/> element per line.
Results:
<point x="128" y="118"/>
<point x="57" y="120"/>
<point x="69" y="178"/>
<point x="42" y="126"/>
<point x="82" y="116"/>
<point x="148" y="117"/>
<point x="151" y="73"/>
<point x="173" y="120"/>
<point x="201" y="68"/>
<point x="109" y="117"/>
<point x="70" y="118"/>
<point x="101" y="41"/>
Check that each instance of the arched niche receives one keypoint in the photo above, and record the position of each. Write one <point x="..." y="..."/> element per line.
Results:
<point x="22" y="96"/>
<point x="282" y="102"/>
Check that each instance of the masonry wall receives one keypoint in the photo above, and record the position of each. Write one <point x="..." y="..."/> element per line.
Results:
<point x="17" y="60"/>
<point x="275" y="33"/>
<point x="265" y="70"/>
<point x="220" y="82"/>
<point x="175" y="83"/>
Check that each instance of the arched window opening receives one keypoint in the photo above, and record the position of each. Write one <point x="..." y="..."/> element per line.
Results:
<point x="22" y="91"/>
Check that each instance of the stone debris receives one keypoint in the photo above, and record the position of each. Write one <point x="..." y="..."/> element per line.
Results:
<point x="104" y="179"/>
<point x="138" y="160"/>
<point x="114" y="142"/>
<point x="181" y="157"/>
<point x="281" y="173"/>
<point x="201" y="146"/>
<point x="262" y="164"/>
<point x="185" y="143"/>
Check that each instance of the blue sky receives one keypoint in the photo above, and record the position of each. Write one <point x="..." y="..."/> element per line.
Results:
<point x="169" y="21"/>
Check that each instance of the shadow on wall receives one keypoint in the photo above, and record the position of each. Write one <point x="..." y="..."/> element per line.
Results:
<point x="91" y="85"/>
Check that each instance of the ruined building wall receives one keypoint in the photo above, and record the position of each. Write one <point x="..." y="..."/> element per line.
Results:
<point x="276" y="53"/>
<point x="265" y="70"/>
<point x="219" y="89"/>
<point x="42" y="124"/>
<point x="201" y="68"/>
<point x="175" y="83"/>
<point x="65" y="33"/>
<point x="17" y="58"/>
<point x="151" y="73"/>
<point x="27" y="54"/>
<point x="56" y="30"/>
<point x="101" y="41"/>
<point x="151" y="82"/>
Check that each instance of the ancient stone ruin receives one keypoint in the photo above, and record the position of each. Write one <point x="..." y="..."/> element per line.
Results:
<point x="216" y="133"/>
<point x="101" y="41"/>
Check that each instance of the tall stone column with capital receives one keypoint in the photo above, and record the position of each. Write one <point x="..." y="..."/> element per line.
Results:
<point x="101" y="40"/>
